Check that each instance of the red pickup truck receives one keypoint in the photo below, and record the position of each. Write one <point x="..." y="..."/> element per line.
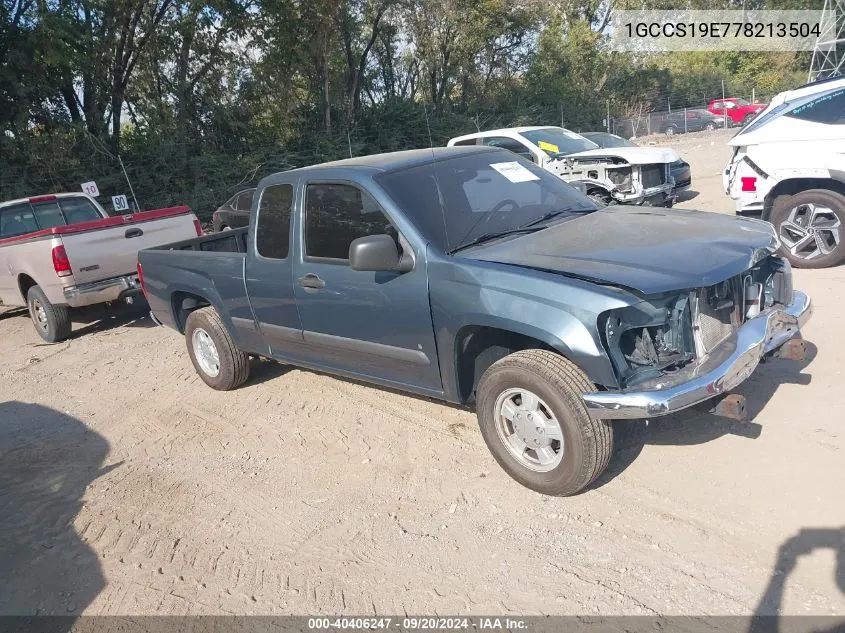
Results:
<point x="738" y="111"/>
<point x="64" y="251"/>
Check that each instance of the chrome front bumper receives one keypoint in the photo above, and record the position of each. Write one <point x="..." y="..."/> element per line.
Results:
<point x="723" y="369"/>
<point x="102" y="291"/>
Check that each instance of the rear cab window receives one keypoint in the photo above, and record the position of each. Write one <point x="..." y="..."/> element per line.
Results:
<point x="25" y="217"/>
<point x="272" y="229"/>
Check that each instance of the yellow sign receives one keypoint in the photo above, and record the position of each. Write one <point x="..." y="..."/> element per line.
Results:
<point x="549" y="147"/>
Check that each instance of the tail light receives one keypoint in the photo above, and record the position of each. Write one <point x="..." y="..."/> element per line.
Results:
<point x="141" y="279"/>
<point x="749" y="183"/>
<point x="198" y="227"/>
<point x="61" y="263"/>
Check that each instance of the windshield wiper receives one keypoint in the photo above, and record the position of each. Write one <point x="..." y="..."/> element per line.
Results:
<point x="486" y="237"/>
<point x="550" y="215"/>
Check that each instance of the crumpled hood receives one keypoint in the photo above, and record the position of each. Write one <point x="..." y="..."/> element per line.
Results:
<point x="633" y="155"/>
<point x="650" y="250"/>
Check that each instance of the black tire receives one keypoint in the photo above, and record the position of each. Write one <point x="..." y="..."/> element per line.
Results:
<point x="710" y="127"/>
<point x="748" y="118"/>
<point x="670" y="131"/>
<point x="781" y="211"/>
<point x="233" y="364"/>
<point x="600" y="198"/>
<point x="52" y="322"/>
<point x="587" y="443"/>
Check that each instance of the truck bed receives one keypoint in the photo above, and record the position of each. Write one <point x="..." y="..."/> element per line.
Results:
<point x="233" y="241"/>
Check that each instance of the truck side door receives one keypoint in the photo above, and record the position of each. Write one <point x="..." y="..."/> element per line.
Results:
<point x="368" y="324"/>
<point x="268" y="273"/>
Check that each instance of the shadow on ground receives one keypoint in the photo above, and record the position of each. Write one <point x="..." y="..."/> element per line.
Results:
<point x="47" y="460"/>
<point x="685" y="196"/>
<point x="693" y="426"/>
<point x="767" y="617"/>
<point x="98" y="318"/>
<point x="101" y="318"/>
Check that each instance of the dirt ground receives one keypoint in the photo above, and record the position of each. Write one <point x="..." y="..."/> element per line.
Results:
<point x="129" y="487"/>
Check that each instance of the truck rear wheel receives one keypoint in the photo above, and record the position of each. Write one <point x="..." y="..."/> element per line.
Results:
<point x="216" y="358"/>
<point x="52" y="322"/>
<point x="810" y="227"/>
<point x="534" y="421"/>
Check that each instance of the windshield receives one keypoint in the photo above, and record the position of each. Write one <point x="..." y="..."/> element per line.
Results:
<point x="610" y="140"/>
<point x="556" y="141"/>
<point x="482" y="193"/>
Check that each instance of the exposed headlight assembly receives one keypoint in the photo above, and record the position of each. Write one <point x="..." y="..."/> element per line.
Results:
<point x="649" y="338"/>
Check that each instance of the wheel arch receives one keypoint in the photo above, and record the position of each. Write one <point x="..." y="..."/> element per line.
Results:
<point x="479" y="345"/>
<point x="792" y="186"/>
<point x="25" y="282"/>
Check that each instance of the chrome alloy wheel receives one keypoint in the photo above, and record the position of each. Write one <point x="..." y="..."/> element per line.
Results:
<point x="810" y="231"/>
<point x="205" y="351"/>
<point x="529" y="430"/>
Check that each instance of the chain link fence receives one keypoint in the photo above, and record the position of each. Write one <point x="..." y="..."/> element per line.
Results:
<point x="693" y="117"/>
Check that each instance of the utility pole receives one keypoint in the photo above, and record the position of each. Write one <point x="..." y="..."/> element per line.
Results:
<point x="608" y="116"/>
<point x="724" y="109"/>
<point x="561" y="116"/>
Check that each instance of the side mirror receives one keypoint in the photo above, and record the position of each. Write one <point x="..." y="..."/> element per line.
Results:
<point x="377" y="253"/>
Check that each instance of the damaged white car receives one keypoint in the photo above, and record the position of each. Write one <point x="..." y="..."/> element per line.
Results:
<point x="613" y="175"/>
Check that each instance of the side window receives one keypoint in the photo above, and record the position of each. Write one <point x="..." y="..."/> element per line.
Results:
<point x="48" y="214"/>
<point x="244" y="201"/>
<point x="17" y="220"/>
<point x="78" y="210"/>
<point x="508" y="143"/>
<point x="829" y="108"/>
<point x="272" y="232"/>
<point x="336" y="215"/>
<point x="467" y="142"/>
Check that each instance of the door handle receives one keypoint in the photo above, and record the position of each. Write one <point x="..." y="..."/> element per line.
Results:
<point x="130" y="233"/>
<point x="311" y="281"/>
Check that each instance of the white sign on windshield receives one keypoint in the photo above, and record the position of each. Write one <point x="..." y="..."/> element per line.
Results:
<point x="514" y="172"/>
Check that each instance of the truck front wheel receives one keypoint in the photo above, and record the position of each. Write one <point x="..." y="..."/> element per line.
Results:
<point x="52" y="322"/>
<point x="217" y="359"/>
<point x="810" y="227"/>
<point x="534" y="421"/>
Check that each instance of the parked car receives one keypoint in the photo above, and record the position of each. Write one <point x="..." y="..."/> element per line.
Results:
<point x="63" y="251"/>
<point x="623" y="175"/>
<point x="234" y="213"/>
<point x="679" y="169"/>
<point x="473" y="276"/>
<point x="738" y="111"/>
<point x="788" y="168"/>
<point x="686" y="121"/>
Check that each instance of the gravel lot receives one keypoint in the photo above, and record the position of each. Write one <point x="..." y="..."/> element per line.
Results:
<point x="129" y="487"/>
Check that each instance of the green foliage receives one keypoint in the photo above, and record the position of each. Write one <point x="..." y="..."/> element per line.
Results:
<point x="203" y="97"/>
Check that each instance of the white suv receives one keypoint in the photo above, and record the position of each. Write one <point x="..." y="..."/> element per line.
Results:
<point x="788" y="167"/>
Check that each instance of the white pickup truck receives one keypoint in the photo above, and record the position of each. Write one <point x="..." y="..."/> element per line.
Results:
<point x="64" y="251"/>
<point x="611" y="175"/>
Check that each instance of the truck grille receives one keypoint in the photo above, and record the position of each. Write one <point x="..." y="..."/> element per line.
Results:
<point x="653" y="175"/>
<point x="715" y="325"/>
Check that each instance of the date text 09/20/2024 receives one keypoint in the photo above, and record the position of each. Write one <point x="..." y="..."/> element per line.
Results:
<point x="417" y="623"/>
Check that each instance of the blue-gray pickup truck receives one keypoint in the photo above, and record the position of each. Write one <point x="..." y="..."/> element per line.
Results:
<point x="472" y="276"/>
